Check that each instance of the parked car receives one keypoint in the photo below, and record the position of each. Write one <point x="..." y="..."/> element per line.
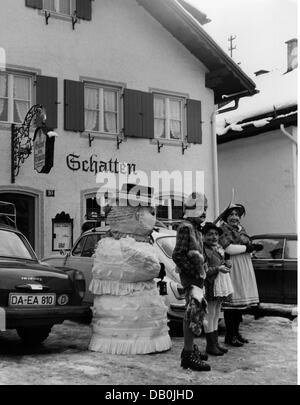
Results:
<point x="81" y="257"/>
<point x="34" y="296"/>
<point x="276" y="268"/>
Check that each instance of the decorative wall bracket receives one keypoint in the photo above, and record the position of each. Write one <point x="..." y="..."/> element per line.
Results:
<point x="21" y="143"/>
<point x="47" y="16"/>
<point x="159" y="146"/>
<point x="184" y="147"/>
<point x="120" y="139"/>
<point x="74" y="20"/>
<point x="91" y="140"/>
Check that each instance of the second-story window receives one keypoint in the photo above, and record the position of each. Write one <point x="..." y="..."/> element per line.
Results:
<point x="101" y="105"/>
<point x="15" y="97"/>
<point x="168" y="117"/>
<point x="65" y="7"/>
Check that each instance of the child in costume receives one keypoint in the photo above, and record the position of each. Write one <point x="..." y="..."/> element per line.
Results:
<point x="130" y="317"/>
<point x="218" y="287"/>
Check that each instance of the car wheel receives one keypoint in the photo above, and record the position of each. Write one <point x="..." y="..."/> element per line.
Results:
<point x="34" y="335"/>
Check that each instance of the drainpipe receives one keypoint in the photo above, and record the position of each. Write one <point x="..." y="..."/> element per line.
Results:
<point x="215" y="162"/>
<point x="295" y="153"/>
<point x="287" y="134"/>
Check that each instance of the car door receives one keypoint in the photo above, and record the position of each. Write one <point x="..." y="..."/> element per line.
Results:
<point x="268" y="267"/>
<point x="81" y="258"/>
<point x="290" y="271"/>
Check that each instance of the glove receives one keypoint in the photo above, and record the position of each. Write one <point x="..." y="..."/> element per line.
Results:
<point x="258" y="247"/>
<point x="254" y="247"/>
<point x="195" y="257"/>
<point x="162" y="272"/>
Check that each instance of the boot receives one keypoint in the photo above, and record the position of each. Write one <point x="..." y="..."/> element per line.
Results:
<point x="192" y="361"/>
<point x="202" y="356"/>
<point x="239" y="319"/>
<point x="211" y="347"/>
<point x="218" y="344"/>
<point x="196" y="351"/>
<point x="230" y="322"/>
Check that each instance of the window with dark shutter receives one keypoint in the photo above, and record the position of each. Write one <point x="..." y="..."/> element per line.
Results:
<point x="138" y="114"/>
<point x="194" y="121"/>
<point x="84" y="9"/>
<point x="34" y="3"/>
<point x="74" y="106"/>
<point x="46" y="94"/>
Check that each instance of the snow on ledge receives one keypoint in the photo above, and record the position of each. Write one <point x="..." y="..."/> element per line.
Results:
<point x="277" y="91"/>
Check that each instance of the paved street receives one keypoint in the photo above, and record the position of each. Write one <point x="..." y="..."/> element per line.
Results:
<point x="270" y="358"/>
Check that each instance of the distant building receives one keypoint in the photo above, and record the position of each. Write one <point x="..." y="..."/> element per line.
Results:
<point x="257" y="151"/>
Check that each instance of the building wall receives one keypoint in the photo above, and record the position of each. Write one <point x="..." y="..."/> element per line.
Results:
<point x="122" y="44"/>
<point x="262" y="171"/>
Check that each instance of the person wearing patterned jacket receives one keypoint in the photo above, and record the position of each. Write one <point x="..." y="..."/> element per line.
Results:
<point x="189" y="260"/>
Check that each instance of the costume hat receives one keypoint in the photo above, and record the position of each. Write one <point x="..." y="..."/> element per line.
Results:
<point x="232" y="206"/>
<point x="208" y="226"/>
<point x="194" y="201"/>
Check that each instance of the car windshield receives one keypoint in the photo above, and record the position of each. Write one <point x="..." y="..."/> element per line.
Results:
<point x="167" y="244"/>
<point x="11" y="245"/>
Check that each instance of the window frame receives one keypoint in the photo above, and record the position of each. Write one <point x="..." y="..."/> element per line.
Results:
<point x="261" y="240"/>
<point x="11" y="75"/>
<point x="285" y="249"/>
<point x="167" y="97"/>
<point x="101" y="86"/>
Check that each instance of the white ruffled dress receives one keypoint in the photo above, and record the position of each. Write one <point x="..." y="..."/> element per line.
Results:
<point x="129" y="315"/>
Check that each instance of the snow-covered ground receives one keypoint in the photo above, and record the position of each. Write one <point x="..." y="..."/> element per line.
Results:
<point x="270" y="358"/>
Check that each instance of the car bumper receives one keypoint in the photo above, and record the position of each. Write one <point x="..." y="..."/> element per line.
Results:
<point x="21" y="317"/>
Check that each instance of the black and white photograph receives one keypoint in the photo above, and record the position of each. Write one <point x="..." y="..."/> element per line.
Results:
<point x="148" y="195"/>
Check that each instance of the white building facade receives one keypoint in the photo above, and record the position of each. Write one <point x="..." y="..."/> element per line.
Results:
<point x="120" y="91"/>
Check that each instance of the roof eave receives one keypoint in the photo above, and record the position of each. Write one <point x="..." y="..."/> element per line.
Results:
<point x="224" y="76"/>
<point x="254" y="131"/>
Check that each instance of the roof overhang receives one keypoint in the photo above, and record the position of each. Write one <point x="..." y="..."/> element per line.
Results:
<point x="224" y="77"/>
<point x="287" y="117"/>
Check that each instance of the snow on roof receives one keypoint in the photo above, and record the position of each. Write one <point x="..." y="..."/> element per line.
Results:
<point x="276" y="91"/>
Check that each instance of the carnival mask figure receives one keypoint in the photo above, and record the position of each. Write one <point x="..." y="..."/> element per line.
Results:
<point x="130" y="317"/>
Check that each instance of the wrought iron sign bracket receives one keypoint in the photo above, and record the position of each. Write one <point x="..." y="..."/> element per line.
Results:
<point x="21" y="143"/>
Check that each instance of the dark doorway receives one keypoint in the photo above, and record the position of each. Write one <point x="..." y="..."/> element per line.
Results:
<point x="25" y="206"/>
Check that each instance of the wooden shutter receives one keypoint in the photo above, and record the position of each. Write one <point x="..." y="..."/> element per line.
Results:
<point x="132" y="113"/>
<point x="46" y="94"/>
<point x="74" y="106"/>
<point x="138" y="114"/>
<point x="148" y="115"/>
<point x="84" y="9"/>
<point x="34" y="3"/>
<point x="194" y="121"/>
